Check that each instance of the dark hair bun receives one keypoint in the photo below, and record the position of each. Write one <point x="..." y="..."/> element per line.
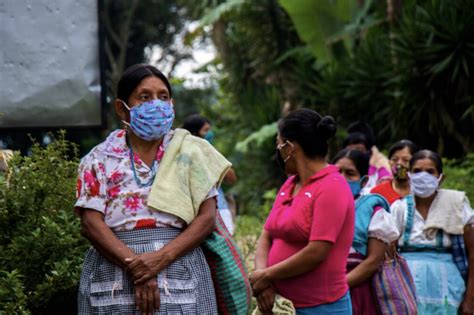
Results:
<point x="310" y="130"/>
<point x="327" y="127"/>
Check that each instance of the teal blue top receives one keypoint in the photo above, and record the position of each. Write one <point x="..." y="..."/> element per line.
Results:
<point x="364" y="209"/>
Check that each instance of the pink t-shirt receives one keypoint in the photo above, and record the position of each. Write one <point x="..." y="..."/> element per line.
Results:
<point x="323" y="210"/>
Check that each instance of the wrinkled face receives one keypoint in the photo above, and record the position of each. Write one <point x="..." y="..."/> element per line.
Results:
<point x="150" y="88"/>
<point x="425" y="165"/>
<point x="401" y="157"/>
<point x="348" y="169"/>
<point x="204" y="130"/>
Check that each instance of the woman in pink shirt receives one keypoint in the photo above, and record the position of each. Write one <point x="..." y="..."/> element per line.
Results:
<point x="302" y="251"/>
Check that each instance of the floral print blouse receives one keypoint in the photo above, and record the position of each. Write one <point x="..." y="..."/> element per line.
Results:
<point x="106" y="183"/>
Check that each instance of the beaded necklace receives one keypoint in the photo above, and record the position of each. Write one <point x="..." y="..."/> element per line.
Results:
<point x="153" y="168"/>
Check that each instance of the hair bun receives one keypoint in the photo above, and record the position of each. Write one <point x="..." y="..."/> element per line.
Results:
<point x="327" y="127"/>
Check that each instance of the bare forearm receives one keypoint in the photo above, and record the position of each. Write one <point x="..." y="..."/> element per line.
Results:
<point x="302" y="262"/>
<point x="470" y="279"/>
<point x="103" y="239"/>
<point x="194" y="234"/>
<point x="263" y="247"/>
<point x="375" y="254"/>
<point x="361" y="273"/>
<point x="469" y="243"/>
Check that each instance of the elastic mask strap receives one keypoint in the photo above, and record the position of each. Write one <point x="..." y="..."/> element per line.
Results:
<point x="128" y="108"/>
<point x="292" y="149"/>
<point x="363" y="180"/>
<point x="440" y="178"/>
<point x="124" y="104"/>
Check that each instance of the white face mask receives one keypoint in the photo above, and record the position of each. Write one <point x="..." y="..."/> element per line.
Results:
<point x="423" y="184"/>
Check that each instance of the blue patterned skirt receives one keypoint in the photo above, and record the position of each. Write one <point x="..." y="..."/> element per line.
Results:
<point x="185" y="285"/>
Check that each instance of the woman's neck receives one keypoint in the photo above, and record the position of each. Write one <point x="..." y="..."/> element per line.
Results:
<point x="401" y="187"/>
<point x="141" y="146"/>
<point x="146" y="150"/>
<point x="305" y="168"/>
<point x="423" y="204"/>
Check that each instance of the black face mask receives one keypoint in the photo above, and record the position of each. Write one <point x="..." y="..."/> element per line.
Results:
<point x="280" y="160"/>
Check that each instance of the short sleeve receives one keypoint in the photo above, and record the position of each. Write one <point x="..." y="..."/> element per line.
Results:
<point x="330" y="211"/>
<point x="467" y="214"/>
<point x="398" y="210"/>
<point x="382" y="227"/>
<point x="91" y="190"/>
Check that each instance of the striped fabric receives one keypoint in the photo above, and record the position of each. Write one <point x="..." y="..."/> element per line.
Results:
<point x="459" y="254"/>
<point x="185" y="285"/>
<point x="233" y="292"/>
<point x="394" y="288"/>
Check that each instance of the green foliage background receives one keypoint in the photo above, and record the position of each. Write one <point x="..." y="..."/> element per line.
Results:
<point x="40" y="243"/>
<point x="409" y="73"/>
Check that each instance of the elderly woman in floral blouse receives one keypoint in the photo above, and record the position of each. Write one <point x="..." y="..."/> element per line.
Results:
<point x="142" y="259"/>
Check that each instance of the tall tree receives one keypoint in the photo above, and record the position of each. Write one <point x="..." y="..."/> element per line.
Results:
<point x="265" y="70"/>
<point x="409" y="70"/>
<point x="141" y="31"/>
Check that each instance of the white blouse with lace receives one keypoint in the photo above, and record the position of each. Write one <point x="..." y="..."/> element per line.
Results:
<point x="381" y="227"/>
<point x="399" y="210"/>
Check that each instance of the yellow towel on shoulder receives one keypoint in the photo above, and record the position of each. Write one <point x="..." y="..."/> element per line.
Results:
<point x="189" y="169"/>
<point x="281" y="306"/>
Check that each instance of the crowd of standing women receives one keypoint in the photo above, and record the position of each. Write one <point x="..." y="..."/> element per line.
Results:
<point x="361" y="234"/>
<point x="367" y="234"/>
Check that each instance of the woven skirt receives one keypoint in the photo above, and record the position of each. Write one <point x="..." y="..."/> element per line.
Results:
<point x="185" y="285"/>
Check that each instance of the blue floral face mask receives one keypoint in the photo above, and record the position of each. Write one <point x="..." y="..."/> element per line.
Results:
<point x="151" y="120"/>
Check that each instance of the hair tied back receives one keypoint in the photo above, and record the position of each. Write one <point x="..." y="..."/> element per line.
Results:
<point x="327" y="127"/>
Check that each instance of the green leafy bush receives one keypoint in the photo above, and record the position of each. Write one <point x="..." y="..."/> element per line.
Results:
<point x="459" y="174"/>
<point x="12" y="293"/>
<point x="42" y="249"/>
<point x="249" y="228"/>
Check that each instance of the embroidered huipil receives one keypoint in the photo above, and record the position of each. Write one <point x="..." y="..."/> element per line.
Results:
<point x="106" y="183"/>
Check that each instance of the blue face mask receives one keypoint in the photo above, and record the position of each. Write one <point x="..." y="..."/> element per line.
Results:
<point x="151" y="120"/>
<point x="355" y="187"/>
<point x="209" y="136"/>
